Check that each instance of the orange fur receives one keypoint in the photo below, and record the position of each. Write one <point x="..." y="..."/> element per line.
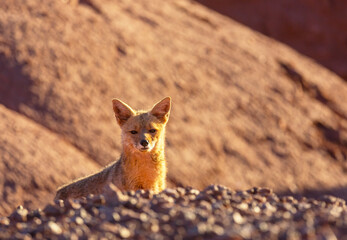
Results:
<point x="142" y="164"/>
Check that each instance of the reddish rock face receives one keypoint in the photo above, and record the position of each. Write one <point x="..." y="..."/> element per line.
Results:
<point x="246" y="110"/>
<point x="315" y="30"/>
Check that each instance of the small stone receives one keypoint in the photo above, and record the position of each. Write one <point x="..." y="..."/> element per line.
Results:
<point x="235" y="199"/>
<point x="181" y="191"/>
<point x="72" y="236"/>
<point x="238" y="218"/>
<point x="217" y="206"/>
<point x="131" y="203"/>
<point x="244" y="195"/>
<point x="253" y="190"/>
<point x="165" y="217"/>
<point x="74" y="204"/>
<point x="84" y="214"/>
<point x="242" y="206"/>
<point x="292" y="234"/>
<point x="52" y="210"/>
<point x="256" y="209"/>
<point x="116" y="217"/>
<point x="71" y="213"/>
<point x="37" y="221"/>
<point x="79" y="221"/>
<point x="171" y="192"/>
<point x="155" y="228"/>
<point x="263" y="226"/>
<point x="131" y="193"/>
<point x="265" y="191"/>
<point x="287" y="215"/>
<point x="124" y="232"/>
<point x="203" y="197"/>
<point x="259" y="198"/>
<point x="109" y="227"/>
<point x="98" y="200"/>
<point x="20" y="215"/>
<point x="285" y="206"/>
<point x="79" y="232"/>
<point x="94" y="211"/>
<point x="54" y="228"/>
<point x="189" y="215"/>
<point x="211" y="188"/>
<point x="35" y="214"/>
<point x="201" y="228"/>
<point x="218" y="230"/>
<point x="168" y="229"/>
<point x="246" y="231"/>
<point x="21" y="236"/>
<point x="139" y="193"/>
<point x="192" y="197"/>
<point x="113" y="195"/>
<point x="304" y="206"/>
<point x="148" y="194"/>
<point x="287" y="199"/>
<point x="193" y="191"/>
<point x="143" y="217"/>
<point x="59" y="203"/>
<point x="4" y="221"/>
<point x="333" y="200"/>
<point x="21" y="226"/>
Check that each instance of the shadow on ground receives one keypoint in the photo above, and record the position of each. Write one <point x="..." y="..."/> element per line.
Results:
<point x="15" y="84"/>
<point x="317" y="194"/>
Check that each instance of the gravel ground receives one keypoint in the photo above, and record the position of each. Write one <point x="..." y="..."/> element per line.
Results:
<point x="216" y="212"/>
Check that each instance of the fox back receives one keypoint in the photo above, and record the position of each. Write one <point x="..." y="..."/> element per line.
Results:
<point x="142" y="163"/>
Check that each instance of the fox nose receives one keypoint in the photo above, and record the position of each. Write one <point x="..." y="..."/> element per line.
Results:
<point x="144" y="143"/>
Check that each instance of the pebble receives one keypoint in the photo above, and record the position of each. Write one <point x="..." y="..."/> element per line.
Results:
<point x="19" y="215"/>
<point x="4" y="221"/>
<point x="54" y="228"/>
<point x="216" y="212"/>
<point x="52" y="210"/>
<point x="124" y="232"/>
<point x="237" y="218"/>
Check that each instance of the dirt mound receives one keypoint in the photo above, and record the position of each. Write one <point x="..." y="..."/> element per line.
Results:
<point x="316" y="30"/>
<point x="247" y="111"/>
<point x="33" y="162"/>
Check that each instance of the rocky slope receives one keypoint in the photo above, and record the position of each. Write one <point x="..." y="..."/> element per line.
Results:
<point x="34" y="161"/>
<point x="247" y="110"/>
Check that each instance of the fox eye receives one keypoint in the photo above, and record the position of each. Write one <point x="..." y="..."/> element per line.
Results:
<point x="133" y="132"/>
<point x="152" y="130"/>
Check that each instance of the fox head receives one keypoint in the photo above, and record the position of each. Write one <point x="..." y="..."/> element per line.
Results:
<point x="142" y="131"/>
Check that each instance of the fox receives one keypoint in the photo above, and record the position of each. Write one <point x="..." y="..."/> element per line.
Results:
<point x="142" y="163"/>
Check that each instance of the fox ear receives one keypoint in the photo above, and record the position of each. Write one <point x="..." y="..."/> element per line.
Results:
<point x="122" y="111"/>
<point x="161" y="110"/>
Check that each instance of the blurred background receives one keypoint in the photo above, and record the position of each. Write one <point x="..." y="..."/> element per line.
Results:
<point x="259" y="91"/>
<point x="315" y="30"/>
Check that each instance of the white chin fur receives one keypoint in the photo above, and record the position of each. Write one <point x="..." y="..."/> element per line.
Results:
<point x="142" y="149"/>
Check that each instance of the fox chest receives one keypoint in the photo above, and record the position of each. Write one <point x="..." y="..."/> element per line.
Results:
<point x="144" y="173"/>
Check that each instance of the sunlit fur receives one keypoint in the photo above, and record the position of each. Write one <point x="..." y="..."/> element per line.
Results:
<point x="138" y="167"/>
